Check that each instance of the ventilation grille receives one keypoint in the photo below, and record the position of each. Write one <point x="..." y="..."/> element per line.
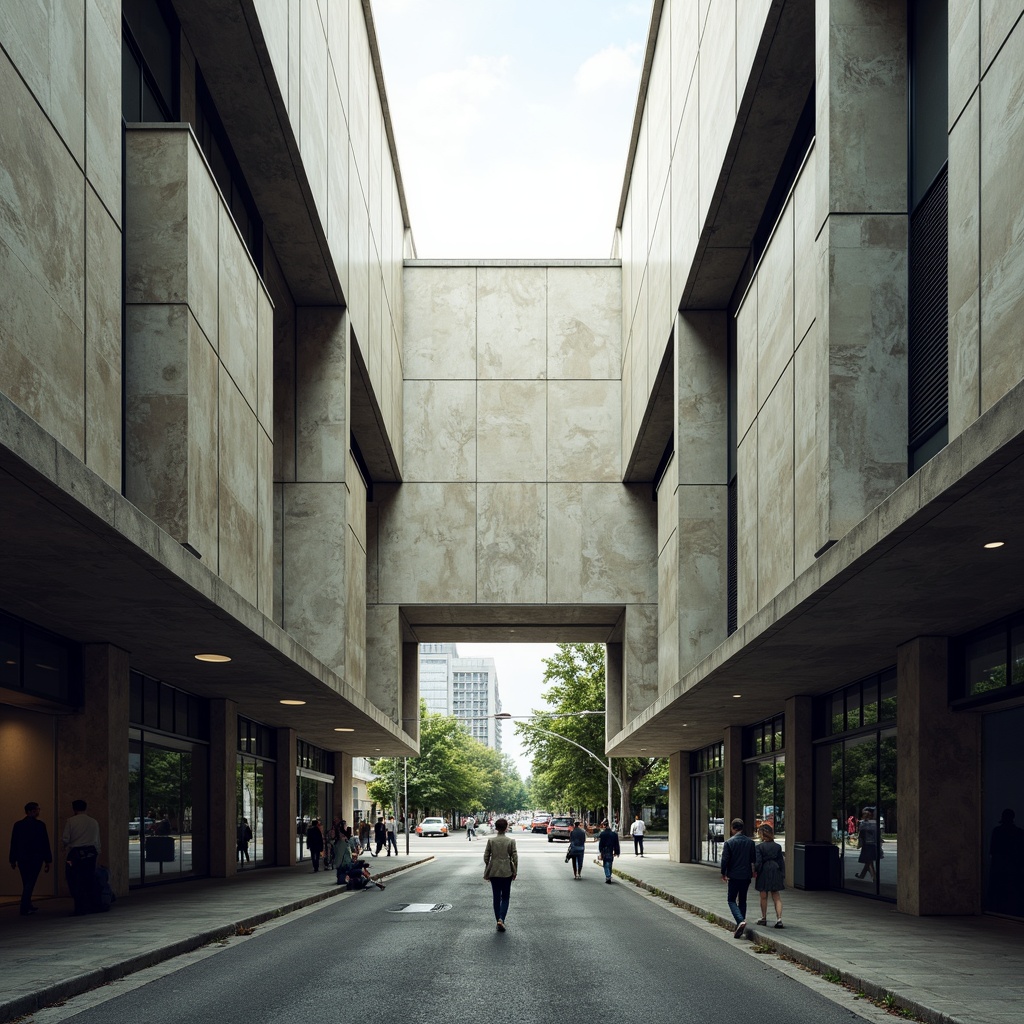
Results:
<point x="929" y="315"/>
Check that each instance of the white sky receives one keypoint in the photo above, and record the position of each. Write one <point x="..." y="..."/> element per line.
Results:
<point x="512" y="121"/>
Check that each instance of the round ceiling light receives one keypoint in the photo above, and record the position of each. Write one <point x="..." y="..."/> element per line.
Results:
<point x="342" y="728"/>
<point x="995" y="544"/>
<point x="216" y="659"/>
<point x="292" y="703"/>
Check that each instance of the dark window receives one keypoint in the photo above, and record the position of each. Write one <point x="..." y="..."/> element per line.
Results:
<point x="989" y="663"/>
<point x="38" y="662"/>
<point x="149" y="61"/>
<point x="865" y="703"/>
<point x="256" y="739"/>
<point x="156" y="705"/>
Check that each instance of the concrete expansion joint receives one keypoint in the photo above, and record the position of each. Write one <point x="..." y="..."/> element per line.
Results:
<point x="761" y="936"/>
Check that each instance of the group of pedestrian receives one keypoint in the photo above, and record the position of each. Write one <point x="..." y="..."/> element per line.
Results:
<point x="744" y="861"/>
<point x="31" y="854"/>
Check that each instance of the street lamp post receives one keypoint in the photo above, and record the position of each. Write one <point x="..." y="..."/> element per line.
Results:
<point x="607" y="765"/>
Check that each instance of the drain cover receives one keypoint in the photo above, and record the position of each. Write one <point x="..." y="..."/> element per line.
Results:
<point x="420" y="908"/>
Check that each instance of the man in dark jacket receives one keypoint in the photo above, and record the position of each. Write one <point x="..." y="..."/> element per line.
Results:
<point x="380" y="836"/>
<point x="738" y="869"/>
<point x="30" y="853"/>
<point x="608" y="848"/>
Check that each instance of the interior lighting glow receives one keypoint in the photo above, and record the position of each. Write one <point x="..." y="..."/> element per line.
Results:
<point x="217" y="659"/>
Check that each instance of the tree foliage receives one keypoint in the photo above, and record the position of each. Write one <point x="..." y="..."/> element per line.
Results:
<point x="453" y="772"/>
<point x="564" y="776"/>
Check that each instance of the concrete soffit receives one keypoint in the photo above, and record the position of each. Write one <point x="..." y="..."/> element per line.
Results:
<point x="914" y="566"/>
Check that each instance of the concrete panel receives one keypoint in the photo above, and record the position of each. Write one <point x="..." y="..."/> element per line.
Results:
<point x="684" y="37"/>
<point x="264" y="359"/>
<point x="807" y="379"/>
<point x="639" y="369"/>
<point x="658" y="114"/>
<point x="583" y="433"/>
<point x="511" y="323"/>
<point x="321" y="387"/>
<point x="359" y="91"/>
<point x="806" y="288"/>
<point x="103" y="102"/>
<point x="440" y="430"/>
<point x="964" y="54"/>
<point x="284" y="375"/>
<point x="204" y="209"/>
<point x="337" y="181"/>
<point x="661" y="308"/>
<point x="746" y="361"/>
<point x="964" y="270"/>
<point x="265" y="522"/>
<point x="685" y="195"/>
<point x="668" y="603"/>
<point x="717" y="84"/>
<point x="668" y="504"/>
<point x="314" y="569"/>
<point x="338" y="16"/>
<point x="236" y="317"/>
<point x="602" y="541"/>
<point x="440" y="323"/>
<point x="202" y="448"/>
<point x="427" y="537"/>
<point x="273" y="17"/>
<point x="103" y="415"/>
<point x="372" y="343"/>
<point x="512" y="543"/>
<point x="384" y="659"/>
<point x="66" y="71"/>
<point x="775" y="490"/>
<point x="358" y="254"/>
<point x="355" y="580"/>
<point x="1002" y="214"/>
<point x="998" y="17"/>
<point x="775" y="307"/>
<point x="641" y="220"/>
<point x="584" y="318"/>
<point x="702" y="398"/>
<point x="511" y="417"/>
<point x="236" y="514"/>
<point x="703" y="572"/>
<point x="640" y="659"/>
<point x="627" y="404"/>
<point x="312" y="118"/>
<point x="747" y="526"/>
<point x="749" y="29"/>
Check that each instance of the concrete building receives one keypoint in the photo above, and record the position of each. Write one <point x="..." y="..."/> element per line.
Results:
<point x="758" y="453"/>
<point x="464" y="687"/>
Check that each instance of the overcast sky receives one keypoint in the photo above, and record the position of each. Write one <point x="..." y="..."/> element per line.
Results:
<point x="512" y="121"/>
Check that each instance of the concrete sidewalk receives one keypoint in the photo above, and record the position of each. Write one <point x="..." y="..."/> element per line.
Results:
<point x="52" y="955"/>
<point x="948" y="970"/>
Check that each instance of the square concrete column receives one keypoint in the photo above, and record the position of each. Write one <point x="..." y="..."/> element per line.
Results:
<point x="612" y="690"/>
<point x="285" y="804"/>
<point x="732" y="780"/>
<point x="223" y="788"/>
<point x="92" y="761"/>
<point x="799" y="790"/>
<point x="410" y="689"/>
<point x="938" y="768"/>
<point x="343" y="786"/>
<point x="679" y="807"/>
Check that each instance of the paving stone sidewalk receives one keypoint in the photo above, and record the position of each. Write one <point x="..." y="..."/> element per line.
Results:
<point x="946" y="970"/>
<point x="52" y="955"/>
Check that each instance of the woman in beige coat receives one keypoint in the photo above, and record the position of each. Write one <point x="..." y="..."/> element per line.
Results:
<point x="501" y="864"/>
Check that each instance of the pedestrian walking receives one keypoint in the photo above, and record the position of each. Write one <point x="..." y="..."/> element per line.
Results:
<point x="770" y="873"/>
<point x="30" y="853"/>
<point x="577" y="849"/>
<point x="636" y="830"/>
<point x="243" y="836"/>
<point x="364" y="834"/>
<point x="870" y="847"/>
<point x="392" y="836"/>
<point x="315" y="842"/>
<point x="501" y="865"/>
<point x="81" y="842"/>
<point x="380" y="836"/>
<point x="470" y="827"/>
<point x="738" y="857"/>
<point x="608" y="849"/>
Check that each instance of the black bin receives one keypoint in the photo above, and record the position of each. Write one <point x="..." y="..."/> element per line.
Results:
<point x="159" y="849"/>
<point x="815" y="865"/>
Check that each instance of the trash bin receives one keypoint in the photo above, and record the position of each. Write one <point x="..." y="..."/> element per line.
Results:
<point x="159" y="848"/>
<point x="815" y="865"/>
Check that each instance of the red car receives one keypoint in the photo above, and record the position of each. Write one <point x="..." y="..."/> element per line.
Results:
<point x="559" y="827"/>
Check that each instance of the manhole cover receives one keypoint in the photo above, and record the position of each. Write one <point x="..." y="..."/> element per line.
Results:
<point x="420" y="908"/>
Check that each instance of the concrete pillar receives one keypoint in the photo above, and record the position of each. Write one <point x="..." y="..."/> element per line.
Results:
<point x="732" y="776"/>
<point x="385" y="670"/>
<point x="799" y="789"/>
<point x="612" y="690"/>
<point x="939" y="767"/>
<point x="92" y="760"/>
<point x="343" y="786"/>
<point x="679" y="807"/>
<point x="223" y="787"/>
<point x="639" y="659"/>
<point x="285" y="805"/>
<point x="411" y="689"/>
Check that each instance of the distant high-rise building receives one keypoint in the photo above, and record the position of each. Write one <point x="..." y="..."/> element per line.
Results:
<point x="464" y="687"/>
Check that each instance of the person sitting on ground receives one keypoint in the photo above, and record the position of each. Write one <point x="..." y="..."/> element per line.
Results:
<point x="359" y="877"/>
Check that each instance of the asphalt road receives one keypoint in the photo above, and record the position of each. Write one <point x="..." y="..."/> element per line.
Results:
<point x="572" y="949"/>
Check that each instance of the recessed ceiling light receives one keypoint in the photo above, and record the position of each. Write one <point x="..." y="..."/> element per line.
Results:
<point x="218" y="659"/>
<point x="296" y="703"/>
<point x="737" y="694"/>
<point x="995" y="544"/>
<point x="343" y="729"/>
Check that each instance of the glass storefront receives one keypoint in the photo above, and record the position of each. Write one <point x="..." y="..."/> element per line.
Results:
<point x="707" y="788"/>
<point x="1003" y="812"/>
<point x="855" y="777"/>
<point x="314" y="792"/>
<point x="168" y="783"/>
<point x="764" y="777"/>
<point x="254" y="793"/>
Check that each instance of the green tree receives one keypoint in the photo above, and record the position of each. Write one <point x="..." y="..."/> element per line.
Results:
<point x="563" y="775"/>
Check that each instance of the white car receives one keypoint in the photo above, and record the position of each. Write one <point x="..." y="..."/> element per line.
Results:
<point x="432" y="827"/>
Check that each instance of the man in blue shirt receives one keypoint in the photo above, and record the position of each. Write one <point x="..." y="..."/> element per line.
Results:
<point x="738" y="870"/>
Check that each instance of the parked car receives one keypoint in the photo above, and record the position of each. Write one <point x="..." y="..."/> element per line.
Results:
<point x="136" y="826"/>
<point x="540" y="822"/>
<point x="559" y="827"/>
<point x="432" y="827"/>
<point x="716" y="829"/>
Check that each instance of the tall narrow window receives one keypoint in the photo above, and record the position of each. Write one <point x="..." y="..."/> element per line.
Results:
<point x="928" y="66"/>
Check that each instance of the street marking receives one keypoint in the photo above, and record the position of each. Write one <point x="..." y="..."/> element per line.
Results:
<point x="420" y="908"/>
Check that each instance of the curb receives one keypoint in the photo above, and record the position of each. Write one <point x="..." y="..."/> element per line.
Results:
<point x="805" y="959"/>
<point x="67" y="988"/>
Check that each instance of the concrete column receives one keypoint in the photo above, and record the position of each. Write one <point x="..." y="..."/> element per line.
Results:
<point x="385" y="670"/>
<point x="639" y="659"/>
<point x="223" y="787"/>
<point x="799" y="808"/>
<point x="612" y="690"/>
<point x="92" y="760"/>
<point x="732" y="781"/>
<point x="285" y="806"/>
<point x="343" y="786"/>
<point x="411" y="689"/>
<point x="679" y="807"/>
<point x="939" y="767"/>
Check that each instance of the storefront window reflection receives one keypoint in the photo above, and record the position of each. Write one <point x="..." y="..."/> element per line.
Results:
<point x="707" y="780"/>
